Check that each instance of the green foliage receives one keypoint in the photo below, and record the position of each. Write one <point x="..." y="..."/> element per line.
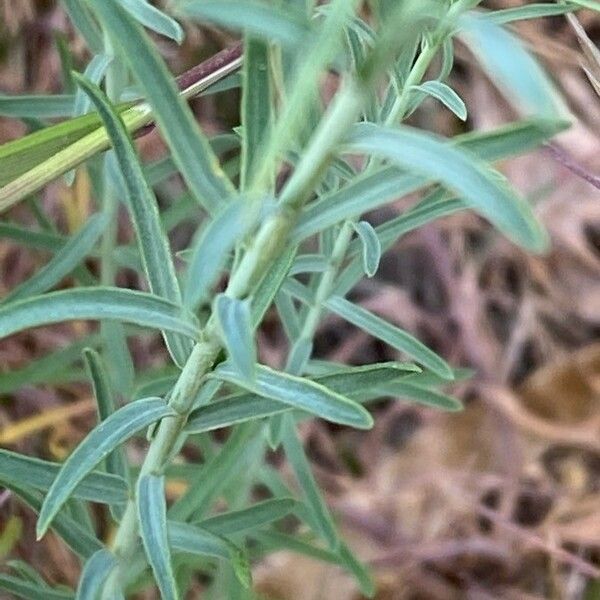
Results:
<point x="278" y="230"/>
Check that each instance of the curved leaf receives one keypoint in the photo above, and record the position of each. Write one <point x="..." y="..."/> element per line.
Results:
<point x="102" y="440"/>
<point x="371" y="247"/>
<point x="479" y="185"/>
<point x="154" y="19"/>
<point x="152" y="515"/>
<point x="94" y="574"/>
<point x="30" y="590"/>
<point x="102" y="303"/>
<point x="142" y="204"/>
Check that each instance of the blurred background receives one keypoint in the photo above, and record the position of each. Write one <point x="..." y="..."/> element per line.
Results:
<point x="499" y="501"/>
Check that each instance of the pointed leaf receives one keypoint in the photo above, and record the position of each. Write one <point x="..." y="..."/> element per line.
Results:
<point x="154" y="19"/>
<point x="152" y="241"/>
<point x="37" y="106"/>
<point x="480" y="186"/>
<point x="63" y="262"/>
<point x="94" y="574"/>
<point x="530" y="11"/>
<point x="302" y="394"/>
<point x="116" y="463"/>
<point x="421" y="395"/>
<point x="30" y="590"/>
<point x="152" y="514"/>
<point x="102" y="440"/>
<point x="212" y="249"/>
<point x="446" y="95"/>
<point x="371" y="247"/>
<point x="260" y="19"/>
<point x="390" y="334"/>
<point x="233" y="318"/>
<point x="102" y="303"/>
<point x="190" y="149"/>
<point x="511" y="67"/>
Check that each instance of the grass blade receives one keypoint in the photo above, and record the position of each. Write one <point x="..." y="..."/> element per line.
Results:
<point x="152" y="514"/>
<point x="102" y="303"/>
<point x="102" y="440"/>
<point x="189" y="147"/>
<point x="142" y="204"/>
<point x="37" y="107"/>
<point x="421" y="395"/>
<point x="395" y="337"/>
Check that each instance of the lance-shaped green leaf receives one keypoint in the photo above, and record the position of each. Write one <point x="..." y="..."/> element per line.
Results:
<point x="255" y="516"/>
<point x="478" y="185"/>
<point x="190" y="149"/>
<point x="511" y="67"/>
<point x="445" y="94"/>
<point x="358" y="383"/>
<point x="80" y="539"/>
<point x="390" y="334"/>
<point x="256" y="103"/>
<point x="371" y="191"/>
<point x="300" y="393"/>
<point x="84" y="23"/>
<point x="154" y="19"/>
<point x="152" y="240"/>
<point x="262" y="20"/>
<point x="94" y="72"/>
<point x="233" y="319"/>
<point x="116" y="463"/>
<point x="371" y="247"/>
<point x="195" y="540"/>
<point x="152" y="516"/>
<point x="211" y="249"/>
<point x="95" y="572"/>
<point x="37" y="106"/>
<point x="270" y="284"/>
<point x="103" y="303"/>
<point x="63" y="262"/>
<point x="315" y="501"/>
<point x="102" y="440"/>
<point x="39" y="474"/>
<point x="30" y="590"/>
<point x="529" y="11"/>
<point x="420" y="395"/>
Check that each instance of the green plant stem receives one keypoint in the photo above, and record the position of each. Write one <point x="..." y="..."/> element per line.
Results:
<point x="262" y="252"/>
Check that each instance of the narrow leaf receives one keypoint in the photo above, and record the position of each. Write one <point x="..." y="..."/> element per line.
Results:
<point x="511" y="67"/>
<point x="116" y="463"/>
<point x="302" y="394"/>
<point x="36" y="107"/>
<point x="152" y="241"/>
<point x="480" y="186"/>
<point x="255" y="516"/>
<point x="63" y="262"/>
<point x="152" y="514"/>
<point x="530" y="11"/>
<point x="212" y="249"/>
<point x="154" y="19"/>
<point x="103" y="303"/>
<point x="262" y="20"/>
<point x="395" y="337"/>
<point x="371" y="247"/>
<point x="233" y="318"/>
<point x="421" y="395"/>
<point x="39" y="474"/>
<point x="189" y="147"/>
<point x="30" y="590"/>
<point x="446" y="95"/>
<point x="102" y="440"/>
<point x="94" y="574"/>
